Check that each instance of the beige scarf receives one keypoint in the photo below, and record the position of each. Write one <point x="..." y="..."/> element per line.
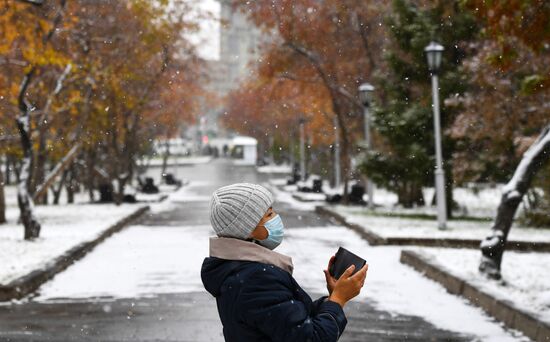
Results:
<point x="236" y="249"/>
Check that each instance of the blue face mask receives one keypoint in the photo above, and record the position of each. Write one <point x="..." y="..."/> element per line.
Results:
<point x="275" y="229"/>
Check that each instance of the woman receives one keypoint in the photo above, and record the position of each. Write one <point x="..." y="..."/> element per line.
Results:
<point x="257" y="297"/>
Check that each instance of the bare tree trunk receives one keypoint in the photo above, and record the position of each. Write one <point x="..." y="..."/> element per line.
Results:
<point x="17" y="169"/>
<point x="345" y="149"/>
<point x="492" y="247"/>
<point x="121" y="186"/>
<point x="90" y="177"/>
<point x="165" y="159"/>
<point x="24" y="198"/>
<point x="449" y="185"/>
<point x="70" y="186"/>
<point x="57" y="192"/>
<point x="2" y="199"/>
<point x="410" y="194"/>
<point x="39" y="169"/>
<point x="7" y="174"/>
<point x="23" y="120"/>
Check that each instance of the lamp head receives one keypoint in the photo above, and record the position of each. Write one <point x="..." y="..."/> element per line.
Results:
<point x="365" y="93"/>
<point x="434" y="52"/>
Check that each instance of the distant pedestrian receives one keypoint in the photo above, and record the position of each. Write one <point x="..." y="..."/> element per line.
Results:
<point x="257" y="297"/>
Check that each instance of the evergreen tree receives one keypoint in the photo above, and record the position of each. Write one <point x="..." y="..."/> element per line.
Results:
<point x="404" y="158"/>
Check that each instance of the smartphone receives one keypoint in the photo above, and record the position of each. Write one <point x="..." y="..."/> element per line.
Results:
<point x="343" y="260"/>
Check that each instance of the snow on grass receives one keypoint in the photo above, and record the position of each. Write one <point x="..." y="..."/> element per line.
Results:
<point x="63" y="227"/>
<point x="283" y="168"/>
<point x="526" y="281"/>
<point x="278" y="181"/>
<point x="310" y="197"/>
<point x="402" y="227"/>
<point x="172" y="161"/>
<point x="140" y="261"/>
<point x="286" y="197"/>
<point x="391" y="285"/>
<point x="480" y="203"/>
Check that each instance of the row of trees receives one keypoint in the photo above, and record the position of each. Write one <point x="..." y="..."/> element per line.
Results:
<point x="86" y="87"/>
<point x="494" y="82"/>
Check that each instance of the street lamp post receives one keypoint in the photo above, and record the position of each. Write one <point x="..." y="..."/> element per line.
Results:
<point x="365" y="94"/>
<point x="337" y="171"/>
<point x="302" y="149"/>
<point x="433" y="54"/>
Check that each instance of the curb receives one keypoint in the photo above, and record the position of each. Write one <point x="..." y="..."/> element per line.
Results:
<point x="298" y="198"/>
<point x="501" y="310"/>
<point x="375" y="239"/>
<point x="29" y="283"/>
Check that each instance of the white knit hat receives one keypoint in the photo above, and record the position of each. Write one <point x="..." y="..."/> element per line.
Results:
<point x="236" y="210"/>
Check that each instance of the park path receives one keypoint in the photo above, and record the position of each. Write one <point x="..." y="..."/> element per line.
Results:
<point x="143" y="284"/>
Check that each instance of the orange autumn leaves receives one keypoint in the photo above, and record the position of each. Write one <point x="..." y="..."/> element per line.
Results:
<point x="275" y="108"/>
<point x="130" y="64"/>
<point x="317" y="55"/>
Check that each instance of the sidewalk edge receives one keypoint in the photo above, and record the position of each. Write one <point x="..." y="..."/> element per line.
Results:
<point x="504" y="311"/>
<point x="375" y="239"/>
<point x="29" y="283"/>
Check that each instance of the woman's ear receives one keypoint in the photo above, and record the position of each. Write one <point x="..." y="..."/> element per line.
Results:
<point x="259" y="233"/>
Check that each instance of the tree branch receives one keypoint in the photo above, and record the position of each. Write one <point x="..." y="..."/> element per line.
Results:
<point x="56" y="91"/>
<point x="33" y="2"/>
<point x="59" y="168"/>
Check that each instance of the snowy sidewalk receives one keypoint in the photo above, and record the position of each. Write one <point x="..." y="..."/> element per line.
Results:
<point x="149" y="271"/>
<point x="65" y="230"/>
<point x="156" y="265"/>
<point x="521" y="299"/>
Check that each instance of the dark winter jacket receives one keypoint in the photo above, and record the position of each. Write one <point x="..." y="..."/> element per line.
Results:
<point x="259" y="300"/>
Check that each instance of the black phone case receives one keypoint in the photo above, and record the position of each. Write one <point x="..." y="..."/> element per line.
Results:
<point x="343" y="260"/>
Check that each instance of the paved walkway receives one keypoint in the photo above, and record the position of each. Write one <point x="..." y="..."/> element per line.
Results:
<point x="84" y="303"/>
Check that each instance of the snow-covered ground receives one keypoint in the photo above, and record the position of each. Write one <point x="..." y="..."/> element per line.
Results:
<point x="526" y="280"/>
<point x="187" y="194"/>
<point x="63" y="227"/>
<point x="144" y="261"/>
<point x="147" y="260"/>
<point x="479" y="202"/>
<point x="309" y="196"/>
<point x="387" y="222"/>
<point x="144" y="269"/>
<point x="283" y="168"/>
<point x="191" y="160"/>
<point x="388" y="226"/>
<point x="286" y="197"/>
<point x="164" y="190"/>
<point x="390" y="285"/>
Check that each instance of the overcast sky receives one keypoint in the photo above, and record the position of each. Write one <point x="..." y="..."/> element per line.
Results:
<point x="208" y="39"/>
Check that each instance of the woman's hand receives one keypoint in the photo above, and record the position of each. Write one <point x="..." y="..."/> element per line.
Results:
<point x="331" y="281"/>
<point x="348" y="286"/>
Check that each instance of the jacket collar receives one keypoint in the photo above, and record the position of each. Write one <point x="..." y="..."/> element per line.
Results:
<point x="236" y="249"/>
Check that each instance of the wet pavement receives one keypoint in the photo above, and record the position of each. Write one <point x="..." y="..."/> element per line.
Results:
<point x="187" y="315"/>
